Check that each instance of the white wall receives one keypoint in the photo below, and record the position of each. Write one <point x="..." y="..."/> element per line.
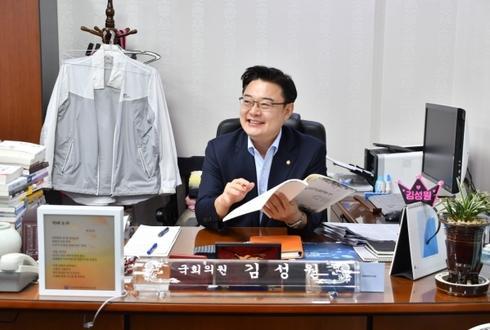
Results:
<point x="364" y="68"/>
<point x="437" y="51"/>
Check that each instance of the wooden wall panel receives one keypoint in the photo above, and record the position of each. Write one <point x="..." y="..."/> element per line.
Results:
<point x="20" y="71"/>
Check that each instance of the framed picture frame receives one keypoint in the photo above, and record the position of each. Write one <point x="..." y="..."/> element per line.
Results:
<point x="80" y="250"/>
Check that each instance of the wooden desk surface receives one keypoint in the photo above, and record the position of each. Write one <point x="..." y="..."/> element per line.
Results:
<point x="400" y="296"/>
<point x="351" y="210"/>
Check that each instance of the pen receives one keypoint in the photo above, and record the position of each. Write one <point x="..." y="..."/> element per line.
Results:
<point x="163" y="232"/>
<point x="150" y="250"/>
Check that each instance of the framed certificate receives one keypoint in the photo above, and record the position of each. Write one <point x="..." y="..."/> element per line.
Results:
<point x="80" y="250"/>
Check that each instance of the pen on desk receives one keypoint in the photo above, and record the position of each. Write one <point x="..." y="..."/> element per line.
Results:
<point x="163" y="232"/>
<point x="150" y="250"/>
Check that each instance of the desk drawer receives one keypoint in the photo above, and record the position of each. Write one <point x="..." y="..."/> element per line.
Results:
<point x="246" y="322"/>
<point x="429" y="322"/>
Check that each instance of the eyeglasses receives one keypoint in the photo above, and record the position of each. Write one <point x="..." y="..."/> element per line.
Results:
<point x="247" y="103"/>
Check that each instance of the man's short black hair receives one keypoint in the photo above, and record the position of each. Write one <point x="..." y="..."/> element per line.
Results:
<point x="272" y="75"/>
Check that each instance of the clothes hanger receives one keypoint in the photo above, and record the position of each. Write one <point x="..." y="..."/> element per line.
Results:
<point x="154" y="56"/>
<point x="92" y="48"/>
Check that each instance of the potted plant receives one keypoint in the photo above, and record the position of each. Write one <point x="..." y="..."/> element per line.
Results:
<point x="464" y="220"/>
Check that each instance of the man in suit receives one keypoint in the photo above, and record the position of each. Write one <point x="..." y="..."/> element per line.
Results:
<point x="241" y="165"/>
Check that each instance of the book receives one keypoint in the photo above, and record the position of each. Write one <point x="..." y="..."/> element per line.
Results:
<point x="12" y="209"/>
<point x="13" y="187"/>
<point x="314" y="194"/>
<point x="21" y="153"/>
<point x="29" y="232"/>
<point x="329" y="251"/>
<point x="12" y="218"/>
<point x="291" y="245"/>
<point x="35" y="197"/>
<point x="37" y="176"/>
<point x="34" y="168"/>
<point x="13" y="199"/>
<point x="8" y="173"/>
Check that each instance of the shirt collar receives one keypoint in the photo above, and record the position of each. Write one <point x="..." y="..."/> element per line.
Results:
<point x="275" y="145"/>
<point x="119" y="61"/>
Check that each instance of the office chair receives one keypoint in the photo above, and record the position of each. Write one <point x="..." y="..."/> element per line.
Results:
<point x="308" y="127"/>
<point x="186" y="165"/>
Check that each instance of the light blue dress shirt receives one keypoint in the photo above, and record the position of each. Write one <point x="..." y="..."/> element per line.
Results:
<point x="263" y="164"/>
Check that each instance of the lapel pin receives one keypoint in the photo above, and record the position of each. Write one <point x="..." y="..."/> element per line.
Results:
<point x="288" y="162"/>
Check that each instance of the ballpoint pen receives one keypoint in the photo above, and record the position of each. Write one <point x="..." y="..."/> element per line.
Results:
<point x="163" y="232"/>
<point x="150" y="250"/>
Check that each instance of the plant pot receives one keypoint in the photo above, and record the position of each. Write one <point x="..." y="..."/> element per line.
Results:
<point x="464" y="243"/>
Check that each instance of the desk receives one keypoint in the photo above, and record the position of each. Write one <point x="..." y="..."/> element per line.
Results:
<point x="403" y="305"/>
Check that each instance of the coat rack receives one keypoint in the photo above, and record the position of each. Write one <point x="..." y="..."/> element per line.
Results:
<point x="109" y="34"/>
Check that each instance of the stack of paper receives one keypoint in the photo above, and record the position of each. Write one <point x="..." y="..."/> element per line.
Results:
<point x="373" y="242"/>
<point x="9" y="173"/>
<point x="368" y="231"/>
<point x="22" y="172"/>
<point x="21" y="153"/>
<point x="367" y="254"/>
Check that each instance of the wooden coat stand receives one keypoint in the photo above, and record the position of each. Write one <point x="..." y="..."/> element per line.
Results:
<point x="109" y="34"/>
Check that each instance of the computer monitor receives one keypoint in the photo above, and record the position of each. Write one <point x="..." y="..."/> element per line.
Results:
<point x="445" y="155"/>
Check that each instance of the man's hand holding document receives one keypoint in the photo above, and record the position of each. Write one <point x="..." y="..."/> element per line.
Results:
<point x="314" y="194"/>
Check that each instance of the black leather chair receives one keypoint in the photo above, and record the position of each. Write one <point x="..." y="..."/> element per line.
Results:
<point x="309" y="127"/>
<point x="186" y="165"/>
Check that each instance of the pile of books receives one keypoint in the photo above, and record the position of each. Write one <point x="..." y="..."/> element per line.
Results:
<point x="22" y="172"/>
<point x="372" y="242"/>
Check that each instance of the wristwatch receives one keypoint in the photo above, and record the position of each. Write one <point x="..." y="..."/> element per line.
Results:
<point x="300" y="223"/>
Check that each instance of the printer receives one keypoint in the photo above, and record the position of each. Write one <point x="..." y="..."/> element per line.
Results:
<point x="401" y="163"/>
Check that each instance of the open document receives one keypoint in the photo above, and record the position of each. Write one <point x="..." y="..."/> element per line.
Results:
<point x="314" y="194"/>
<point x="152" y="241"/>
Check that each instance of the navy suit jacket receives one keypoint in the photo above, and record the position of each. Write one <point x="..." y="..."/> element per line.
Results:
<point x="227" y="158"/>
